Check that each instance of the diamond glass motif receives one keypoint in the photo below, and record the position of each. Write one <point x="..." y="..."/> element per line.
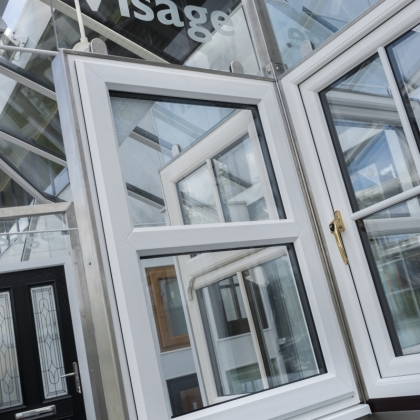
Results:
<point x="10" y="389"/>
<point x="49" y="342"/>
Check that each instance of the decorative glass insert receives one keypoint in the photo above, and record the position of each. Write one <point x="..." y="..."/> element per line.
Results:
<point x="391" y="239"/>
<point x="194" y="162"/>
<point x="247" y="320"/>
<point x="49" y="342"/>
<point x="10" y="388"/>
<point x="370" y="143"/>
<point x="300" y="26"/>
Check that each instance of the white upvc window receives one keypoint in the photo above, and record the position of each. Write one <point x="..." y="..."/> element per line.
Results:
<point x="235" y="265"/>
<point x="356" y="120"/>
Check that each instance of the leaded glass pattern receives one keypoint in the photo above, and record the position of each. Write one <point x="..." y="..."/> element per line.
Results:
<point x="49" y="342"/>
<point x="10" y="388"/>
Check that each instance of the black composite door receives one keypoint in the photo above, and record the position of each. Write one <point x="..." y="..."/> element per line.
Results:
<point x="37" y="347"/>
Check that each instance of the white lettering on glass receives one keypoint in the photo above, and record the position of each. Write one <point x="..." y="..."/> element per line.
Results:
<point x="169" y="16"/>
<point x="197" y="16"/>
<point x="147" y="14"/>
<point x="197" y="33"/>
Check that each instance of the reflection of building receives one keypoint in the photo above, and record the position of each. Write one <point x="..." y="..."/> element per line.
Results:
<point x="166" y="197"/>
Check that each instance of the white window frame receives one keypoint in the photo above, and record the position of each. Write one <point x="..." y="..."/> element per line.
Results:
<point x="91" y="79"/>
<point x="384" y="374"/>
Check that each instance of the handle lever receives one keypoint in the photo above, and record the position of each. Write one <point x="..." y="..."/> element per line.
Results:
<point x="75" y="373"/>
<point x="336" y="227"/>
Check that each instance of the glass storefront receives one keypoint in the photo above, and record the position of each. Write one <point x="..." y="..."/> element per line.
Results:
<point x="199" y="276"/>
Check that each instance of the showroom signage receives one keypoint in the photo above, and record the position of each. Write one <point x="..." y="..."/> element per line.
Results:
<point x="196" y="16"/>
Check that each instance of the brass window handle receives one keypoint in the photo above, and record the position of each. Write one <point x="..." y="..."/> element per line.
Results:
<point x="336" y="227"/>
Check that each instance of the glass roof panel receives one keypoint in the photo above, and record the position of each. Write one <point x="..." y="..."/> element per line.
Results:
<point x="31" y="114"/>
<point x="44" y="175"/>
<point x="12" y="194"/>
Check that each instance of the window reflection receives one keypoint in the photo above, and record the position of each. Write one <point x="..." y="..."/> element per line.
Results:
<point x="371" y="146"/>
<point x="192" y="162"/>
<point x="406" y="67"/>
<point x="394" y="246"/>
<point x="300" y="26"/>
<point x="249" y="323"/>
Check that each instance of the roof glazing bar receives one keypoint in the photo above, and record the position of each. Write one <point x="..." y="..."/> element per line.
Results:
<point x="28" y="83"/>
<point x="28" y="50"/>
<point x="25" y="145"/>
<point x="19" y="179"/>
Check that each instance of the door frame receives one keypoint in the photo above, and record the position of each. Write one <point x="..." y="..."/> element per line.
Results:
<point x="301" y="87"/>
<point x="83" y="82"/>
<point x="76" y="309"/>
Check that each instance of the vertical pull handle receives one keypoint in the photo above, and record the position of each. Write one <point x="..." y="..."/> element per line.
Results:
<point x="76" y="376"/>
<point x="336" y="227"/>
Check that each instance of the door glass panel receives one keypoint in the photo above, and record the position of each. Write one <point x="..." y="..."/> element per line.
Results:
<point x="49" y="341"/>
<point x="303" y="25"/>
<point x="10" y="388"/>
<point x="193" y="162"/>
<point x="248" y="321"/>
<point x="392" y="242"/>
<point x="406" y="68"/>
<point x="370" y="143"/>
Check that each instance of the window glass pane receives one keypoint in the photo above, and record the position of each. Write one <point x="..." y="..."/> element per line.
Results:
<point x="17" y="244"/>
<point x="370" y="143"/>
<point x="300" y="26"/>
<point x="19" y="31"/>
<point x="49" y="341"/>
<point x="196" y="195"/>
<point x="192" y="162"/>
<point x="205" y="34"/>
<point x="238" y="183"/>
<point x="248" y="323"/>
<point x="68" y="32"/>
<point x="10" y="388"/>
<point x="168" y="316"/>
<point x="406" y="66"/>
<point x="393" y="248"/>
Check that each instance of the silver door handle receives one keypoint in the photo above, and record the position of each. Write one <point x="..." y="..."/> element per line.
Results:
<point x="75" y="373"/>
<point x="68" y="375"/>
<point x="35" y="413"/>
